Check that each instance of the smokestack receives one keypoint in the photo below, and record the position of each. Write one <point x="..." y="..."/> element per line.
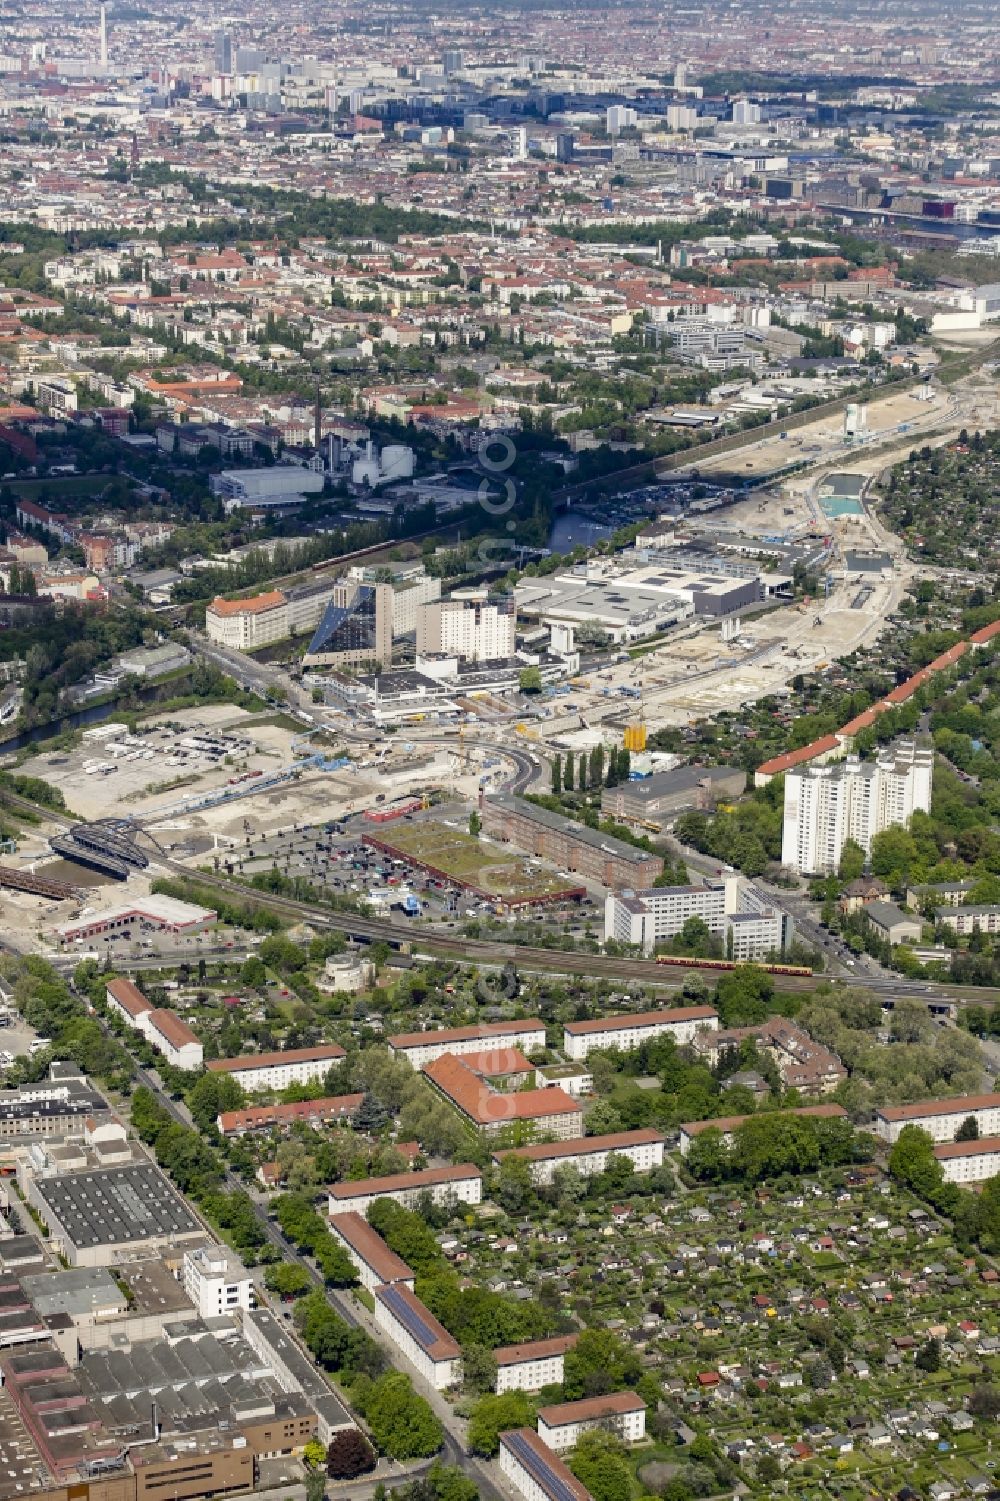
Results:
<point x="155" y="1421"/>
<point x="104" y="37"/>
<point x="319" y="419"/>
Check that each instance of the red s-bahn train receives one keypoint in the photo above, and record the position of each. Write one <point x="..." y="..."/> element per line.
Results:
<point x="772" y="969"/>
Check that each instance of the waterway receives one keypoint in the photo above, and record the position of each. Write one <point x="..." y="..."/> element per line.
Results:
<point x="570" y="529"/>
<point x="77" y="719"/>
<point x="74" y="720"/>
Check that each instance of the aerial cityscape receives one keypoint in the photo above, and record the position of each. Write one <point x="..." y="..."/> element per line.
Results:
<point x="500" y="751"/>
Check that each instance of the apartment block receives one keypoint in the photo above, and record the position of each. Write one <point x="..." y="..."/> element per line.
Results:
<point x="535" y="1471"/>
<point x="966" y="920"/>
<point x="377" y="1266"/>
<point x="466" y="1083"/>
<point x="424" y="1341"/>
<point x="173" y="1038"/>
<point x="744" y="919"/>
<point x="217" y="1282"/>
<point x="969" y="1161"/>
<point x="626" y="1033"/>
<point x="569" y="845"/>
<point x="530" y="1366"/>
<point x="941" y="1118"/>
<point x="590" y="1154"/>
<point x="461" y="1183"/>
<point x="660" y="797"/>
<point x="826" y="805"/>
<point x="803" y="1063"/>
<point x="244" y="624"/>
<point x="315" y="1113"/>
<point x="128" y="1001"/>
<point x="475" y="629"/>
<point x="163" y="1029"/>
<point x="411" y="588"/>
<point x="356" y="627"/>
<point x="622" y="1413"/>
<point x="257" y="1071"/>
<point x="421" y="1048"/>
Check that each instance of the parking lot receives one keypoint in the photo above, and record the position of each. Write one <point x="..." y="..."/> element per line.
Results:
<point x="17" y="1039"/>
<point x="332" y="857"/>
<point x="113" y="772"/>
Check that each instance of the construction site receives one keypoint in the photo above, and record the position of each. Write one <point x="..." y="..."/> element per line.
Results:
<point x="839" y="435"/>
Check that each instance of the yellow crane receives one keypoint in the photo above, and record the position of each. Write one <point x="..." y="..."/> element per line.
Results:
<point x="635" y="731"/>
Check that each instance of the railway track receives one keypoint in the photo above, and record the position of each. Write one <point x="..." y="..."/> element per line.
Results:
<point x="440" y="945"/>
<point x="495" y="952"/>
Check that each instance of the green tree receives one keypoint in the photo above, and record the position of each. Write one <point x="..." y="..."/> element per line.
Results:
<point x="529" y="680"/>
<point x="603" y="1119"/>
<point x="695" y="938"/>
<point x="492" y="1416"/>
<point x="406" y="1233"/>
<point x="475" y="824"/>
<point x="557" y="775"/>
<point x="253" y="972"/>
<point x="985" y="1401"/>
<point x="479" y="1368"/>
<point x="928" y="1357"/>
<point x="568" y="773"/>
<point x="211" y="1095"/>
<point x="774" y="1143"/>
<point x="894" y="852"/>
<point x="742" y="997"/>
<point x="314" y="1454"/>
<point x="968" y="1130"/>
<point x="287" y="1280"/>
<point x="852" y="861"/>
<point x="599" y="1462"/>
<point x="708" y="1157"/>
<point x="599" y="1362"/>
<point x="402" y="1423"/>
<point x="912" y="1162"/>
<point x="514" y="1187"/>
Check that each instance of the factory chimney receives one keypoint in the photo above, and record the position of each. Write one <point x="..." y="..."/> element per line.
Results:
<point x="104" y="37"/>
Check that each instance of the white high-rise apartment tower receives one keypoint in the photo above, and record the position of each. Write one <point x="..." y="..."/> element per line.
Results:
<point x="851" y="799"/>
<point x="472" y="628"/>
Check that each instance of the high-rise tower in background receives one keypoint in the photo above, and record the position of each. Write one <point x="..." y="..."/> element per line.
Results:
<point x="223" y="52"/>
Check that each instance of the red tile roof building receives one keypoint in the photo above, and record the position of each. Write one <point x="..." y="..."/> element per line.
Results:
<point x="551" y="1110"/>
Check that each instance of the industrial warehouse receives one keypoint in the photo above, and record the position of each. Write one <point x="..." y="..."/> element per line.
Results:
<point x="630" y="602"/>
<point x="93" y="1216"/>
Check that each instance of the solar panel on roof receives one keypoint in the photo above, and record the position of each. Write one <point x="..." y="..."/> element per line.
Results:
<point x="409" y="1318"/>
<point x="539" y="1469"/>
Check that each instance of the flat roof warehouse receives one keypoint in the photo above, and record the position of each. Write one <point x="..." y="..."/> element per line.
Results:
<point x="160" y="911"/>
<point x="114" y="1205"/>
